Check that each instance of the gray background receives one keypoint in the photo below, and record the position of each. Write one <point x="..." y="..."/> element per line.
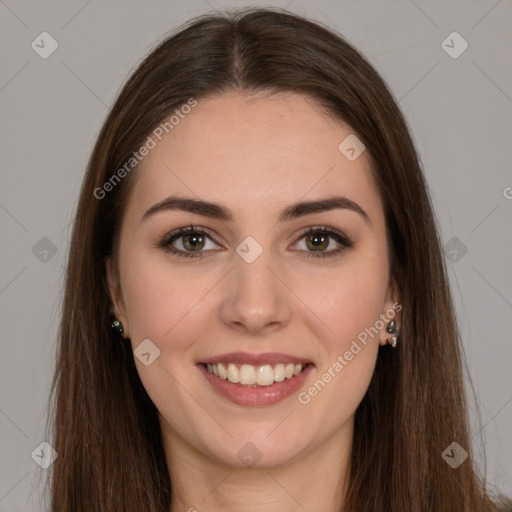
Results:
<point x="459" y="111"/>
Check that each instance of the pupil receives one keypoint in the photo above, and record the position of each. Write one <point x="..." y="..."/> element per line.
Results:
<point x="196" y="239"/>
<point x="318" y="240"/>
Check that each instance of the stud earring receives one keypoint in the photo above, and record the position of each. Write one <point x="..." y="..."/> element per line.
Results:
<point x="392" y="329"/>
<point x="117" y="328"/>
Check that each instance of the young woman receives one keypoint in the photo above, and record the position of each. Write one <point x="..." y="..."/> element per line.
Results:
<point x="257" y="313"/>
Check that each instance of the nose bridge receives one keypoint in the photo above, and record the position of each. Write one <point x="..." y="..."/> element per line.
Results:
<point x="252" y="268"/>
<point x="257" y="298"/>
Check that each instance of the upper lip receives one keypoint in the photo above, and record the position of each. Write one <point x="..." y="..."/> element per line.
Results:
<point x="270" y="358"/>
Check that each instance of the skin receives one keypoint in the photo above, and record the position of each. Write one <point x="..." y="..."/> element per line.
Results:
<point x="256" y="154"/>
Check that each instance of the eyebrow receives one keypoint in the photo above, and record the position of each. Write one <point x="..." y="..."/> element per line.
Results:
<point x="220" y="212"/>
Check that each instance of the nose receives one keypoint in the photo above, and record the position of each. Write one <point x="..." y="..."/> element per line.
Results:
<point x="257" y="299"/>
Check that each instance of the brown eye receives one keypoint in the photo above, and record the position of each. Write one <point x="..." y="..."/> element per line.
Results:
<point x="193" y="242"/>
<point x="317" y="240"/>
<point x="185" y="242"/>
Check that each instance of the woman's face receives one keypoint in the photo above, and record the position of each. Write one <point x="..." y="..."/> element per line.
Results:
<point x="255" y="284"/>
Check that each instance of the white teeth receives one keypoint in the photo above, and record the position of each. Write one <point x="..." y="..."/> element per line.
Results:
<point x="232" y="375"/>
<point x="279" y="373"/>
<point x="265" y="375"/>
<point x="250" y="375"/>
<point x="223" y="373"/>
<point x="247" y="374"/>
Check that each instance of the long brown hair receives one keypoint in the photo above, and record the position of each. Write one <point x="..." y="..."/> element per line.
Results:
<point x="105" y="427"/>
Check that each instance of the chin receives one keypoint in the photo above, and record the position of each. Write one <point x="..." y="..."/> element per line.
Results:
<point x="260" y="453"/>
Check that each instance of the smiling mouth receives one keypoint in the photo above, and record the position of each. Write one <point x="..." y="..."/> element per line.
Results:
<point x="248" y="375"/>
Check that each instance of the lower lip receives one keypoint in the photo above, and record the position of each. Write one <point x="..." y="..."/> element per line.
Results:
<point x="260" y="395"/>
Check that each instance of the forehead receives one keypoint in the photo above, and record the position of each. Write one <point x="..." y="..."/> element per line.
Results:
<point x="254" y="153"/>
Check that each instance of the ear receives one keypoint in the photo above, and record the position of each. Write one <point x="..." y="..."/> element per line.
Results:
<point x="116" y="296"/>
<point x="392" y="311"/>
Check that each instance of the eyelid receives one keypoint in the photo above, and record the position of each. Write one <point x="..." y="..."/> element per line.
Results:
<point x="340" y="238"/>
<point x="322" y="227"/>
<point x="179" y="232"/>
<point x="331" y="232"/>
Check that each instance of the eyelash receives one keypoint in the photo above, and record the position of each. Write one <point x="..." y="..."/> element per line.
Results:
<point x="165" y="243"/>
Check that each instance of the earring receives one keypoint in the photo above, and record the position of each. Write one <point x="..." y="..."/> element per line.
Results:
<point x="117" y="328"/>
<point x="391" y="329"/>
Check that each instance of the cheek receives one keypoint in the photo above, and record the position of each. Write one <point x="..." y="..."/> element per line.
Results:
<point x="163" y="304"/>
<point x="350" y="348"/>
<point x="347" y="300"/>
<point x="347" y="304"/>
<point x="160" y="298"/>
